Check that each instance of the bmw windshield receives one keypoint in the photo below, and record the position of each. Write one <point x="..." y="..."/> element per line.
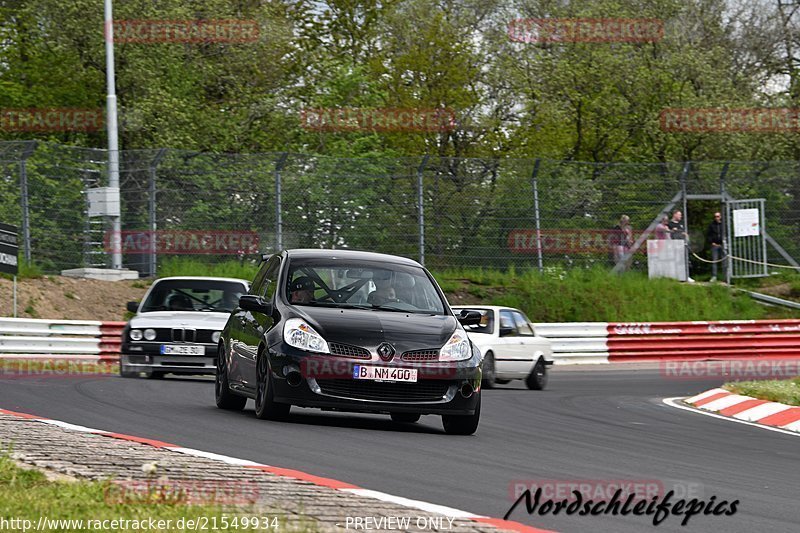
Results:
<point x="194" y="295"/>
<point x="362" y="285"/>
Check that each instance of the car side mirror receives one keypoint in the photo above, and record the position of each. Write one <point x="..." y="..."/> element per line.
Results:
<point x="132" y="306"/>
<point x="469" y="318"/>
<point x="505" y="332"/>
<point x="251" y="302"/>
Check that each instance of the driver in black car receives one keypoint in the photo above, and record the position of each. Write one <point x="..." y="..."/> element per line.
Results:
<point x="301" y="290"/>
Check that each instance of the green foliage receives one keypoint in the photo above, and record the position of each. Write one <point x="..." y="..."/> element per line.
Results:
<point x="782" y="391"/>
<point x="595" y="295"/>
<point x="26" y="270"/>
<point x="179" y="266"/>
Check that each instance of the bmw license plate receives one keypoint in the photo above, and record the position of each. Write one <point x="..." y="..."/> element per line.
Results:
<point x="383" y="373"/>
<point x="182" y="349"/>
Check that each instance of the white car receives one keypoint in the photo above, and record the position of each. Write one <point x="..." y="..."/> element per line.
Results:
<point x="177" y="326"/>
<point x="510" y="347"/>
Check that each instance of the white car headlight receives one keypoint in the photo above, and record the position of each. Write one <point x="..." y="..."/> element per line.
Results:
<point x="215" y="337"/>
<point x="136" y="334"/>
<point x="149" y="334"/>
<point x="457" y="348"/>
<point x="297" y="333"/>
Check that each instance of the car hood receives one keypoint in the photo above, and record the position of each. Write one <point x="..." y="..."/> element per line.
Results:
<point x="368" y="329"/>
<point x="177" y="319"/>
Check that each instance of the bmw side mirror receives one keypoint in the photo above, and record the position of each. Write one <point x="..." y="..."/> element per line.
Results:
<point x="256" y="304"/>
<point x="469" y="318"/>
<point x="133" y="306"/>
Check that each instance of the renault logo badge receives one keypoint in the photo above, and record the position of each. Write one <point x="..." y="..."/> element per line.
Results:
<point x="386" y="351"/>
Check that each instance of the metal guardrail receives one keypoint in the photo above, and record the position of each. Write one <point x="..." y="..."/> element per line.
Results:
<point x="602" y="342"/>
<point x="78" y="339"/>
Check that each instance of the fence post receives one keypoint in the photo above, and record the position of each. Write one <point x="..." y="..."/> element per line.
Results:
<point x="726" y="263"/>
<point x="421" y="207"/>
<point x="684" y="173"/>
<point x="535" y="184"/>
<point x="152" y="213"/>
<point x="25" y="200"/>
<point x="278" y="201"/>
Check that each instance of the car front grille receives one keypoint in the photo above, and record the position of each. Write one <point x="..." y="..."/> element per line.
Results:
<point x="346" y="350"/>
<point x="423" y="391"/>
<point x="421" y="355"/>
<point x="182" y="335"/>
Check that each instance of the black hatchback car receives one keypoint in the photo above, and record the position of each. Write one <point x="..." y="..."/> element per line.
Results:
<point x="349" y="331"/>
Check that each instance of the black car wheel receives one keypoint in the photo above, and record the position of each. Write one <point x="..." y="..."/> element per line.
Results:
<point x="222" y="392"/>
<point x="125" y="372"/>
<point x="537" y="379"/>
<point x="489" y="377"/>
<point x="462" y="424"/>
<point x="405" y="418"/>
<point x="266" y="406"/>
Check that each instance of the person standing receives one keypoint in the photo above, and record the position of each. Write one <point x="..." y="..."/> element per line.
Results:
<point x="621" y="239"/>
<point x="677" y="231"/>
<point x="714" y="236"/>
<point x="662" y="229"/>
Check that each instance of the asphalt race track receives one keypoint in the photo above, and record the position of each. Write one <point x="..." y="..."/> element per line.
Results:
<point x="598" y="424"/>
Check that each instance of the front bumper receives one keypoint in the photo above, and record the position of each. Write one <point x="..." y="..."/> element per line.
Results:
<point x="147" y="357"/>
<point x="327" y="382"/>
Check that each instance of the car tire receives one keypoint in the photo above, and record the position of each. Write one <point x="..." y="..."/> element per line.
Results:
<point x="266" y="406"/>
<point x="463" y="424"/>
<point x="156" y="374"/>
<point x="537" y="379"/>
<point x="502" y="381"/>
<point x="223" y="396"/>
<point x="405" y="418"/>
<point x="125" y="372"/>
<point x="489" y="375"/>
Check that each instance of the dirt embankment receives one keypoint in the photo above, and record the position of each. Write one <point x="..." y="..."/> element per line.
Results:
<point x="58" y="297"/>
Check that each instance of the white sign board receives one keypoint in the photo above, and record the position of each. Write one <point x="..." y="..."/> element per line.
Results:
<point x="667" y="259"/>
<point x="746" y="223"/>
<point x="103" y="202"/>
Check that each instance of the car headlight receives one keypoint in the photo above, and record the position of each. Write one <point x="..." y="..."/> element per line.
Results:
<point x="215" y="337"/>
<point x="297" y="333"/>
<point x="150" y="334"/>
<point x="457" y="348"/>
<point x="136" y="334"/>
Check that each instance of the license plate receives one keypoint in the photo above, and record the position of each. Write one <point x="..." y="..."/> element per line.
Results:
<point x="384" y="373"/>
<point x="182" y="349"/>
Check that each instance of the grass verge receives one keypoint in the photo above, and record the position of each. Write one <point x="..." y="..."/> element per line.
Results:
<point x="27" y="495"/>
<point x="783" y="391"/>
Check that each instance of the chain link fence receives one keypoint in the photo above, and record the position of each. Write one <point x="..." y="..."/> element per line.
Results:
<point x="446" y="212"/>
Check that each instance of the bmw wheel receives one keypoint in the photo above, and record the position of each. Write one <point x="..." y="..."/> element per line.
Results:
<point x="222" y="392"/>
<point x="489" y="376"/>
<point x="405" y="418"/>
<point x="537" y="379"/>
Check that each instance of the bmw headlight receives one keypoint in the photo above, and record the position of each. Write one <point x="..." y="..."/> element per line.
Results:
<point x="150" y="334"/>
<point x="456" y="349"/>
<point x="215" y="337"/>
<point x="136" y="334"/>
<point x="297" y="333"/>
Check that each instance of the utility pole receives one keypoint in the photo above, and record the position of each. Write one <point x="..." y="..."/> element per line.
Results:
<point x="113" y="144"/>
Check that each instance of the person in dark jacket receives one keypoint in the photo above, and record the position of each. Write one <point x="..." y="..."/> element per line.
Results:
<point x="714" y="236"/>
<point x="677" y="231"/>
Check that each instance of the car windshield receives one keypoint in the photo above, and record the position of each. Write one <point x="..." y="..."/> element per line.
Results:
<point x="377" y="286"/>
<point x="487" y="321"/>
<point x="194" y="295"/>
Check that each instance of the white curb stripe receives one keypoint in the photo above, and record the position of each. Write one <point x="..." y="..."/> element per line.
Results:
<point x="423" y="506"/>
<point x="675" y="402"/>
<point x="214" y="456"/>
<point x="794" y="426"/>
<point x="704" y="395"/>
<point x="722" y="403"/>
<point x="754" y="414"/>
<point x="73" y="427"/>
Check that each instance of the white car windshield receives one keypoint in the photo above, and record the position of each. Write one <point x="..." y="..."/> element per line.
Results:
<point x="383" y="286"/>
<point x="194" y="295"/>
